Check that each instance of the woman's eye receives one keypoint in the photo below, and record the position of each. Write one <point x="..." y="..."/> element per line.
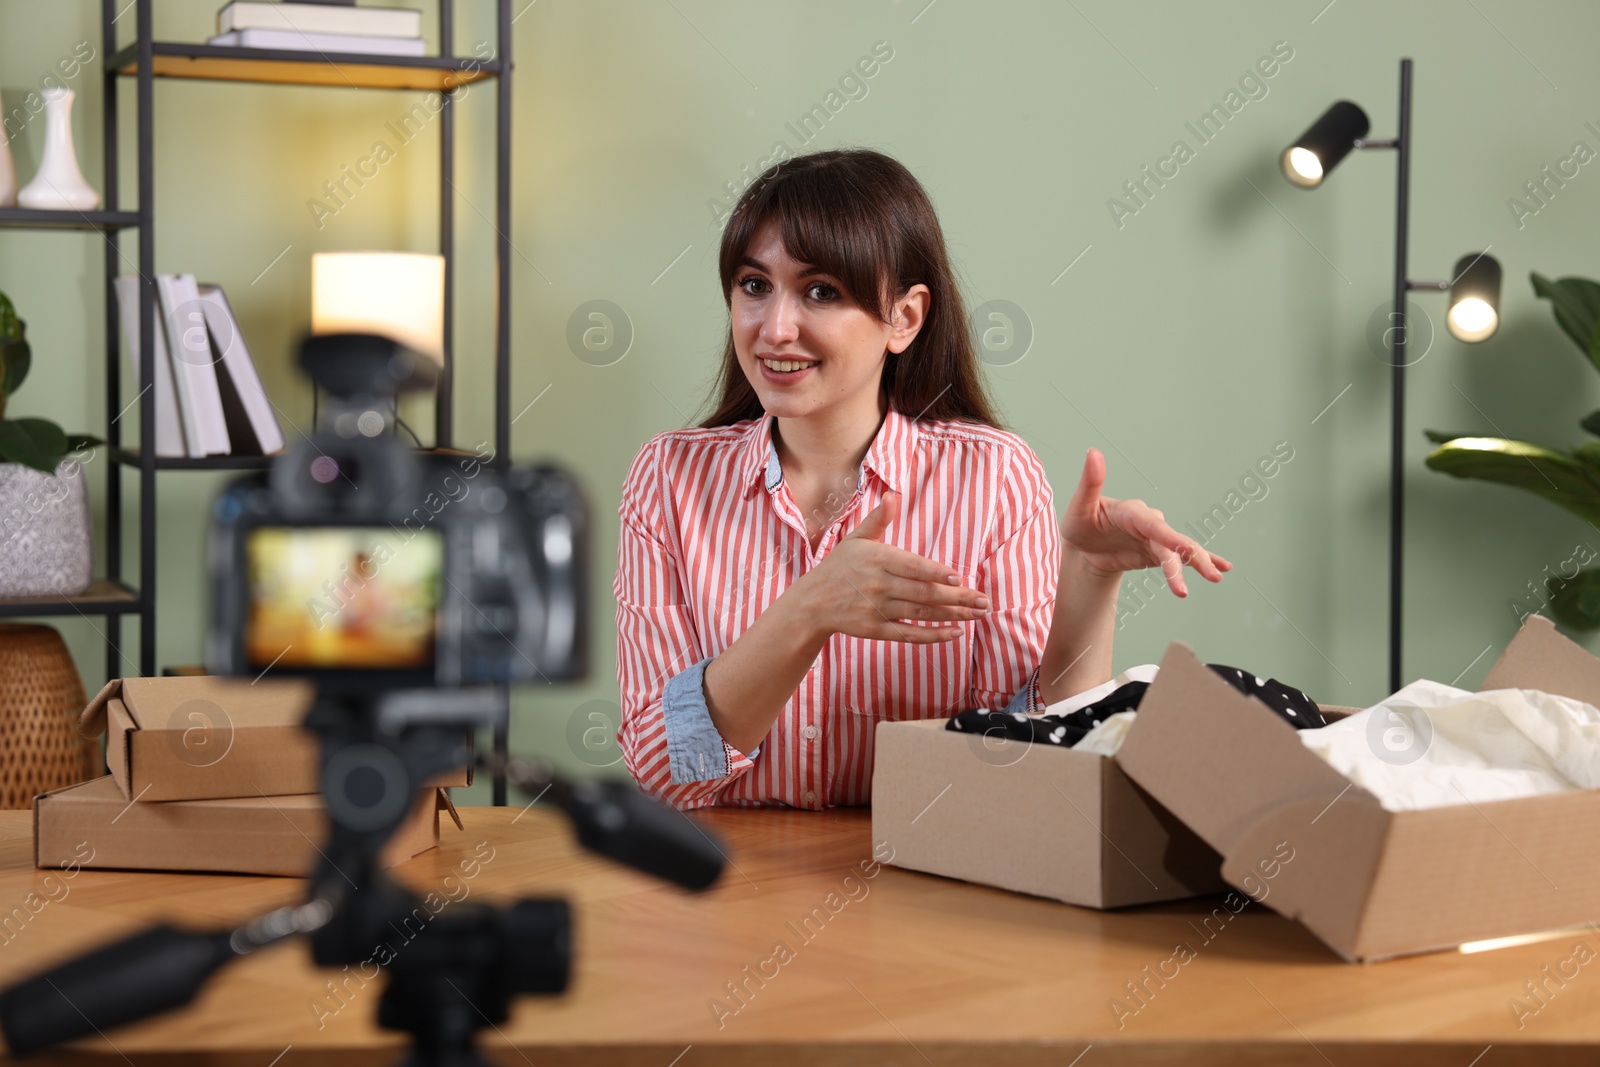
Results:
<point x="824" y="292"/>
<point x="752" y="285"/>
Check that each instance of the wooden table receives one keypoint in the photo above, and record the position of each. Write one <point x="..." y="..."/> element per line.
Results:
<point x="899" y="968"/>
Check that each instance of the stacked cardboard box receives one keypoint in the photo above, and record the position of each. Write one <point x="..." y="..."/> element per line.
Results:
<point x="206" y="774"/>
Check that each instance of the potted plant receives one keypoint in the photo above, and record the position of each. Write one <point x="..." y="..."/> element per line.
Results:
<point x="45" y="536"/>
<point x="1570" y="479"/>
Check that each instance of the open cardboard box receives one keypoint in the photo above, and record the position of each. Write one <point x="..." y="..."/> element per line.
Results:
<point x="202" y="738"/>
<point x="93" y="825"/>
<point x="1298" y="836"/>
<point x="1031" y="818"/>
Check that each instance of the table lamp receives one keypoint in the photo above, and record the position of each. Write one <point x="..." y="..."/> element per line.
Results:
<point x="398" y="295"/>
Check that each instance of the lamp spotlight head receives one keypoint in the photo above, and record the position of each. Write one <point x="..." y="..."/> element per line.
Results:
<point x="1318" y="150"/>
<point x="1474" y="313"/>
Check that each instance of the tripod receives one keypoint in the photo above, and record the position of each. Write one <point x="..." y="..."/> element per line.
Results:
<point x="459" y="974"/>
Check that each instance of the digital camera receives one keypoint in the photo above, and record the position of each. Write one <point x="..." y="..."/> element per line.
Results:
<point x="368" y="566"/>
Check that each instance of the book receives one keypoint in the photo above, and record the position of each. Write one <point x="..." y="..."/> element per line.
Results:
<point x="245" y="406"/>
<point x="320" y="18"/>
<point x="295" y="41"/>
<point x="169" y="427"/>
<point x="199" y="401"/>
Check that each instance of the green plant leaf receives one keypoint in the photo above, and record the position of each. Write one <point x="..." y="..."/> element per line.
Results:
<point x="1577" y="307"/>
<point x="10" y="325"/>
<point x="1575" y="602"/>
<point x="1559" y="478"/>
<point x="15" y="359"/>
<point x="1440" y="438"/>
<point x="82" y="442"/>
<point x="37" y="443"/>
<point x="1591" y="422"/>
<point x="1589" y="452"/>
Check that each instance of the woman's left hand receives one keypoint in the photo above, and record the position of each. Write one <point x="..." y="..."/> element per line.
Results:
<point x="1111" y="536"/>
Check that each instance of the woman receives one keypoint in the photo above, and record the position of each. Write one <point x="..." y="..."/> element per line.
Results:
<point x="851" y="536"/>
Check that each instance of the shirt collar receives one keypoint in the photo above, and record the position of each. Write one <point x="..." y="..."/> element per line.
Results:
<point x="889" y="456"/>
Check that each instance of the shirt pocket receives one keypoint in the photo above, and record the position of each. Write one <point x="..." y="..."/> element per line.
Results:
<point x="897" y="680"/>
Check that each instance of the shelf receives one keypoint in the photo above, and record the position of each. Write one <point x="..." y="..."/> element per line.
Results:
<point x="30" y="219"/>
<point x="222" y="63"/>
<point x="132" y="458"/>
<point x="101" y="598"/>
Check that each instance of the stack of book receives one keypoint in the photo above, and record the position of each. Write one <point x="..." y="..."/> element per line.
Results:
<point x="320" y="27"/>
<point x="209" y="399"/>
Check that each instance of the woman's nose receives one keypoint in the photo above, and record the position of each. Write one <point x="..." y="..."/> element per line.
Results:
<point x="781" y="324"/>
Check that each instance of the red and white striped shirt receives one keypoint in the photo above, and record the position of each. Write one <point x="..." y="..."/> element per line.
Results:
<point x="711" y="536"/>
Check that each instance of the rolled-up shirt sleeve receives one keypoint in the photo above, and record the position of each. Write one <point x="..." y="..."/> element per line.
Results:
<point x="1019" y="576"/>
<point x="669" y="743"/>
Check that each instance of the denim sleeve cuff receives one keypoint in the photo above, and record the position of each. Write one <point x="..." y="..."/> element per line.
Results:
<point x="695" y="749"/>
<point x="1027" y="698"/>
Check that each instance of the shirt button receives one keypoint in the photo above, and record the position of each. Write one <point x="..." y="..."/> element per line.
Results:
<point x="810" y="797"/>
<point x="810" y="733"/>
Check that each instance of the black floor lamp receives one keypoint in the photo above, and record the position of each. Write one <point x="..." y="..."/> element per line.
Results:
<point x="1474" y="292"/>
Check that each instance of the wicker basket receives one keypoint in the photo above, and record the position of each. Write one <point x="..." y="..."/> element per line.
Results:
<point x="41" y="697"/>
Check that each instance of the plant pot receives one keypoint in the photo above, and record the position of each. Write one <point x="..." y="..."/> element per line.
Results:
<point x="46" y="545"/>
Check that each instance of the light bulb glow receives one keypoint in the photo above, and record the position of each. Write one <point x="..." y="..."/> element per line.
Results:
<point x="1302" y="167"/>
<point x="1472" y="319"/>
<point x="399" y="295"/>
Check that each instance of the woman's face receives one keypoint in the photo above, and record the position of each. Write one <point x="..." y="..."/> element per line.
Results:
<point x="788" y="314"/>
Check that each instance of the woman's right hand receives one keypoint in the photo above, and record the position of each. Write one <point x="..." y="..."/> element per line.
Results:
<point x="865" y="587"/>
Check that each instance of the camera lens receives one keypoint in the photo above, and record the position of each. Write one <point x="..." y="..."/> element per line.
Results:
<point x="332" y="477"/>
<point x="324" y="469"/>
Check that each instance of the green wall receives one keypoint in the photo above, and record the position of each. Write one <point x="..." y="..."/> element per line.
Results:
<point x="1188" y="340"/>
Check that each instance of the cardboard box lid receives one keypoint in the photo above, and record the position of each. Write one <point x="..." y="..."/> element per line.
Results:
<point x="197" y="738"/>
<point x="157" y="703"/>
<point x="1191" y="723"/>
<point x="1371" y="883"/>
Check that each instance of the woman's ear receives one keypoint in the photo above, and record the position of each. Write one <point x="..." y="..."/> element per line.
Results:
<point x="910" y="312"/>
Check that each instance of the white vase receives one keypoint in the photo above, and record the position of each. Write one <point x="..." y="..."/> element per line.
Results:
<point x="46" y="543"/>
<point x="8" y="170"/>
<point x="59" y="185"/>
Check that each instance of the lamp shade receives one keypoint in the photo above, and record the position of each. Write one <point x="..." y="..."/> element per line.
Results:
<point x="399" y="295"/>
<point x="1474" y="313"/>
<point x="1317" y="151"/>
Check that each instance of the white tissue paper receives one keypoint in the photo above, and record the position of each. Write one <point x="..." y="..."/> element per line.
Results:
<point x="1144" y="672"/>
<point x="1106" y="736"/>
<point x="1432" y="745"/>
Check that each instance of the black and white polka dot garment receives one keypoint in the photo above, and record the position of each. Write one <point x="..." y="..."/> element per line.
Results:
<point x="1297" y="709"/>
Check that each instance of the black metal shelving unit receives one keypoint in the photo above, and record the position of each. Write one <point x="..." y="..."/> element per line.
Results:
<point x="146" y="59"/>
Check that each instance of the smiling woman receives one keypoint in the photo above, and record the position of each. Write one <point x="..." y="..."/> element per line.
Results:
<point x="850" y="536"/>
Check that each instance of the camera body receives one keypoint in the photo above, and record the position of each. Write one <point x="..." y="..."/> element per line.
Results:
<point x="370" y="567"/>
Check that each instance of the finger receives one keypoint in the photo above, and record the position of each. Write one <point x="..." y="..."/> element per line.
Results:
<point x="1188" y="550"/>
<point x="920" y="612"/>
<point x="877" y="522"/>
<point x="1171" y="567"/>
<point x="1086" y="498"/>
<point x="918" y="635"/>
<point x="933" y="593"/>
<point x="908" y="564"/>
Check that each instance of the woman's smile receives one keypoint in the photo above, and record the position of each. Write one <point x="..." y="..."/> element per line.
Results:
<point x="781" y="370"/>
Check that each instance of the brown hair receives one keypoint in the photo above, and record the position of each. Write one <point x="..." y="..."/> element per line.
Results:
<point x="861" y="217"/>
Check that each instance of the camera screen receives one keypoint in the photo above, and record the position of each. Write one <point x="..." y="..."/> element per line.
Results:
<point x="341" y="597"/>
